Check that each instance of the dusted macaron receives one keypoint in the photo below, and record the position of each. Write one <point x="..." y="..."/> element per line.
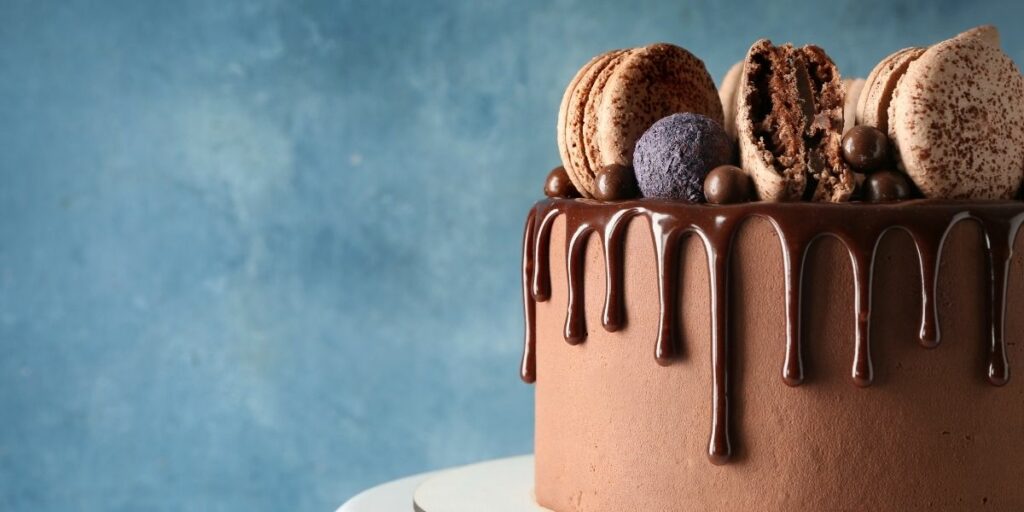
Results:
<point x="675" y="154"/>
<point x="956" y="121"/>
<point x="618" y="95"/>
<point x="953" y="116"/>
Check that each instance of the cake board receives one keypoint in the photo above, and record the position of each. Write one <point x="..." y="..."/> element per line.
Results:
<point x="500" y="485"/>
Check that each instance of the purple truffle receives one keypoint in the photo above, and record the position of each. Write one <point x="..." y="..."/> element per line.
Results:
<point x="675" y="154"/>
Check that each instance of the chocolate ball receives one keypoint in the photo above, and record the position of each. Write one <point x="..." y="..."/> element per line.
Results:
<point x="558" y="184"/>
<point x="615" y="182"/>
<point x="884" y="186"/>
<point x="865" y="148"/>
<point x="728" y="184"/>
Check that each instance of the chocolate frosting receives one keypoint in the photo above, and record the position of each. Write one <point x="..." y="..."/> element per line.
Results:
<point x="858" y="226"/>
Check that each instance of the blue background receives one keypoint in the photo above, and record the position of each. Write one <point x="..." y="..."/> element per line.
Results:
<point x="261" y="255"/>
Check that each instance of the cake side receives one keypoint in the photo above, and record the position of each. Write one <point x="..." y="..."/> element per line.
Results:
<point x="616" y="431"/>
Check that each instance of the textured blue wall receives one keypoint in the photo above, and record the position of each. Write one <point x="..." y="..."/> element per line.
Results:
<point x="260" y="255"/>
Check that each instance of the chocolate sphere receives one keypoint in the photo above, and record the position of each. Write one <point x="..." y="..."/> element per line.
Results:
<point x="728" y="184"/>
<point x="865" y="148"/>
<point x="615" y="182"/>
<point x="675" y="154"/>
<point x="558" y="184"/>
<point x="883" y="186"/>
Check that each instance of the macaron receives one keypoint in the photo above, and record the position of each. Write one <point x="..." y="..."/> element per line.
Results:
<point x="570" y="124"/>
<point x="727" y="93"/>
<point x="956" y="121"/>
<point x="789" y="124"/>
<point x="853" y="87"/>
<point x="563" y="111"/>
<point x="873" y="104"/>
<point x="616" y="96"/>
<point x="589" y="133"/>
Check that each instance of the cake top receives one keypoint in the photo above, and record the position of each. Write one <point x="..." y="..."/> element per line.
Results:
<point x="938" y="122"/>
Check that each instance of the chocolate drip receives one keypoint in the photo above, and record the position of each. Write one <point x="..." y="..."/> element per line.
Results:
<point x="613" y="317"/>
<point x="1000" y="233"/>
<point x="528" y="367"/>
<point x="858" y="226"/>
<point x="863" y="371"/>
<point x="718" y="247"/>
<point x="929" y="240"/>
<point x="541" y="274"/>
<point x="793" y="251"/>
<point x="575" y="317"/>
<point x="666" y="246"/>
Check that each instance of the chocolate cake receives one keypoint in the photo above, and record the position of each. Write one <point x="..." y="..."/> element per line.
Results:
<point x="816" y="351"/>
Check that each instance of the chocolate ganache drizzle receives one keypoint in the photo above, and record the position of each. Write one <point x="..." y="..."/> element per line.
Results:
<point x="858" y="226"/>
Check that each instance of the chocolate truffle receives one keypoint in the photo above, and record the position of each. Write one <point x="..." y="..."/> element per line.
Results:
<point x="728" y="184"/>
<point x="559" y="185"/>
<point x="615" y="182"/>
<point x="674" y="155"/>
<point x="883" y="186"/>
<point x="865" y="148"/>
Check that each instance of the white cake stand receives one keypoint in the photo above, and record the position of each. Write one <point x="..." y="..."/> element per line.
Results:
<point x="501" y="485"/>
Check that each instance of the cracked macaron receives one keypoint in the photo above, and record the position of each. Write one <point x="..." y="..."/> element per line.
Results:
<point x="789" y="124"/>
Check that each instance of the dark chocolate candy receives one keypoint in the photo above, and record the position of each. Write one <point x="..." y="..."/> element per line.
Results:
<point x="728" y="184"/>
<point x="616" y="182"/>
<point x="558" y="184"/>
<point x="865" y="148"/>
<point x="884" y="186"/>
